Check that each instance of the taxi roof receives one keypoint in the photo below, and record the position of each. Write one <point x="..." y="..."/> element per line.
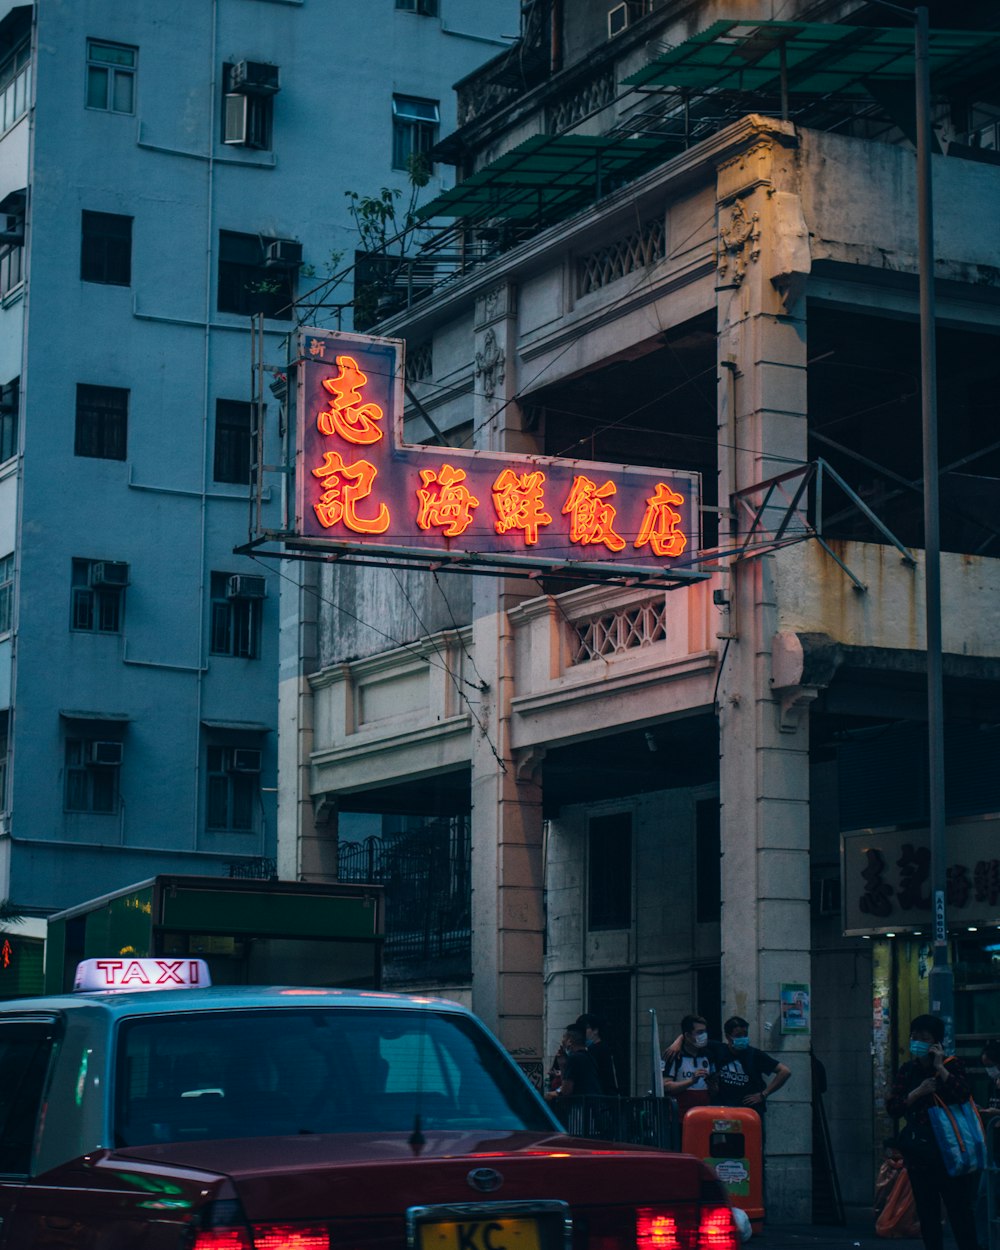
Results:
<point x="226" y="998"/>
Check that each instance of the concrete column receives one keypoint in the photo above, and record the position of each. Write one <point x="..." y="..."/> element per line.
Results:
<point x="764" y="769"/>
<point x="507" y="905"/>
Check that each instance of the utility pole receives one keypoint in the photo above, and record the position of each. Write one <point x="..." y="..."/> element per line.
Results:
<point x="942" y="986"/>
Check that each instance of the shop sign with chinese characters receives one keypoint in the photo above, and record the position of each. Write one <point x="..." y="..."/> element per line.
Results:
<point x="887" y="878"/>
<point x="359" y="484"/>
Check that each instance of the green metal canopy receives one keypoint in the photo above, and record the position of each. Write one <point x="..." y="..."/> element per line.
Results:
<point x="814" y="59"/>
<point x="548" y="176"/>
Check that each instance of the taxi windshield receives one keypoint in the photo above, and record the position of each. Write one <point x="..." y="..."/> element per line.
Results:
<point x="263" y="1073"/>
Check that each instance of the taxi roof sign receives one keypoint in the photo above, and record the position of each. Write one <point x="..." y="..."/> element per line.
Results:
<point x="141" y="974"/>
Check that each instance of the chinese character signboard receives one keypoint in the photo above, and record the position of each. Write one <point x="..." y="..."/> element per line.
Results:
<point x="887" y="878"/>
<point x="359" y="485"/>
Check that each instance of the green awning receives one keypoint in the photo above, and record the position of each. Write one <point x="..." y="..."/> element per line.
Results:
<point x="548" y="176"/>
<point x="826" y="60"/>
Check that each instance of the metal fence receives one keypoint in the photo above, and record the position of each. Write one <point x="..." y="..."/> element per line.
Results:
<point x="645" y="1121"/>
<point x="428" y="896"/>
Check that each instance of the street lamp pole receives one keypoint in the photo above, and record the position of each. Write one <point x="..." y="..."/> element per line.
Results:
<point x="942" y="990"/>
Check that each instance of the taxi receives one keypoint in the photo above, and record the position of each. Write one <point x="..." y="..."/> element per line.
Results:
<point x="150" y="1109"/>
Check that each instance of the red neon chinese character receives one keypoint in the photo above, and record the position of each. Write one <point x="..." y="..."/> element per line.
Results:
<point x="6" y="953"/>
<point x="348" y="414"/>
<point x="344" y="486"/>
<point x="445" y="501"/>
<point x="659" y="525"/>
<point x="517" y="498"/>
<point x="591" y="518"/>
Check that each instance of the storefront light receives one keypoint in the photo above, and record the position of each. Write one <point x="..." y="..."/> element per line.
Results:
<point x="890" y="935"/>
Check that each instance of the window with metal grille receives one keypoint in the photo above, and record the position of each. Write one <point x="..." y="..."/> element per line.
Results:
<point x="106" y="248"/>
<point x="246" y="284"/>
<point x="10" y="406"/>
<point x="94" y="608"/>
<point x="111" y="76"/>
<point x="609" y="871"/>
<point x="232" y="794"/>
<point x="235" y="622"/>
<point x="89" y="786"/>
<point x="101" y="422"/>
<point x="414" y="128"/>
<point x="6" y="593"/>
<point x="233" y="442"/>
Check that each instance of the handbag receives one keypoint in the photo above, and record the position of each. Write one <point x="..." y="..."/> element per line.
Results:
<point x="958" y="1132"/>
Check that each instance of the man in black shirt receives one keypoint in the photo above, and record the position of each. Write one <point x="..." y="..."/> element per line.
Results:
<point x="579" y="1077"/>
<point x="601" y="1053"/>
<point x="741" y="1070"/>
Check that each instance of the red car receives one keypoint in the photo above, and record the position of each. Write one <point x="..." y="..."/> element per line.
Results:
<point x="150" y="1115"/>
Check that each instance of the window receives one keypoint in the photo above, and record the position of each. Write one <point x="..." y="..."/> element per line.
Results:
<point x="246" y="284"/>
<point x="92" y="768"/>
<point x="98" y="596"/>
<point x="6" y="593"/>
<point x="106" y="248"/>
<point x="609" y="872"/>
<point x="233" y="787"/>
<point x="11" y="268"/>
<point x="25" y="1047"/>
<point x="427" y="8"/>
<point x="233" y="441"/>
<point x="414" y="128"/>
<point x="236" y="611"/>
<point x="111" y="77"/>
<point x="101" y="422"/>
<point x="15" y="86"/>
<point x="10" y="404"/>
<point x="248" y="104"/>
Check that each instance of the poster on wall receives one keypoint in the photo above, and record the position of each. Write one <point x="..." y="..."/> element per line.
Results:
<point x="794" y="1000"/>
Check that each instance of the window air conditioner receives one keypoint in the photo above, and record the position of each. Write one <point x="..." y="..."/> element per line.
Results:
<point x="253" y="78"/>
<point x="246" y="760"/>
<point x="106" y="754"/>
<point x="243" y="586"/>
<point x="109" y="573"/>
<point x="283" y="254"/>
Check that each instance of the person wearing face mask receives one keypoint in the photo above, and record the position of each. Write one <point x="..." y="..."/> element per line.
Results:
<point x="686" y="1070"/>
<point x="926" y="1076"/>
<point x="742" y="1070"/>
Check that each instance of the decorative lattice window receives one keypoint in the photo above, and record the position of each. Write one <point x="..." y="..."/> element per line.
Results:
<point x="624" y="256"/>
<point x="614" y="633"/>
<point x="419" y="362"/>
<point x="574" y="108"/>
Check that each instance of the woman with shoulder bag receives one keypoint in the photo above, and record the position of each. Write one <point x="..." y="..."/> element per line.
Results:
<point x="921" y="1085"/>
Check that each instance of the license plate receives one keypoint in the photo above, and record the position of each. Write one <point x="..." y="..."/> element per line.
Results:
<point x="499" y="1234"/>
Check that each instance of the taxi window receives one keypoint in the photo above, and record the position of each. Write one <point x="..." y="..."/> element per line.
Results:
<point x="24" y="1059"/>
<point x="210" y="1075"/>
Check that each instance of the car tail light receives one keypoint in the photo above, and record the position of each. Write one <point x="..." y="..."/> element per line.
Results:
<point x="222" y="1239"/>
<point x="656" y="1229"/>
<point x="290" y="1237"/>
<point x="716" y="1230"/>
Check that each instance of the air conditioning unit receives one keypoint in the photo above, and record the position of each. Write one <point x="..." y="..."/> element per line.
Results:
<point x="111" y="574"/>
<point x="246" y="760"/>
<point x="254" y="78"/>
<point x="106" y="754"/>
<point x="283" y="254"/>
<point x="244" y="586"/>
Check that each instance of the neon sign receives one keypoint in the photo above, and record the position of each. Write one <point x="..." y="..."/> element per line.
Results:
<point x="359" y="484"/>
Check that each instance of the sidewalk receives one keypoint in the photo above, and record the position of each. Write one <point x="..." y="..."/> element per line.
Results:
<point x="857" y="1234"/>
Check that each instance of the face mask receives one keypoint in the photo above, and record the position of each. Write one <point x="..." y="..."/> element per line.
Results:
<point x="739" y="1043"/>
<point x="918" y="1050"/>
<point x="701" y="1039"/>
<point x="993" y="1073"/>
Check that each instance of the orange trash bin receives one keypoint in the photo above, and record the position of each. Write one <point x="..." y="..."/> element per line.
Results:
<point x="728" y="1139"/>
